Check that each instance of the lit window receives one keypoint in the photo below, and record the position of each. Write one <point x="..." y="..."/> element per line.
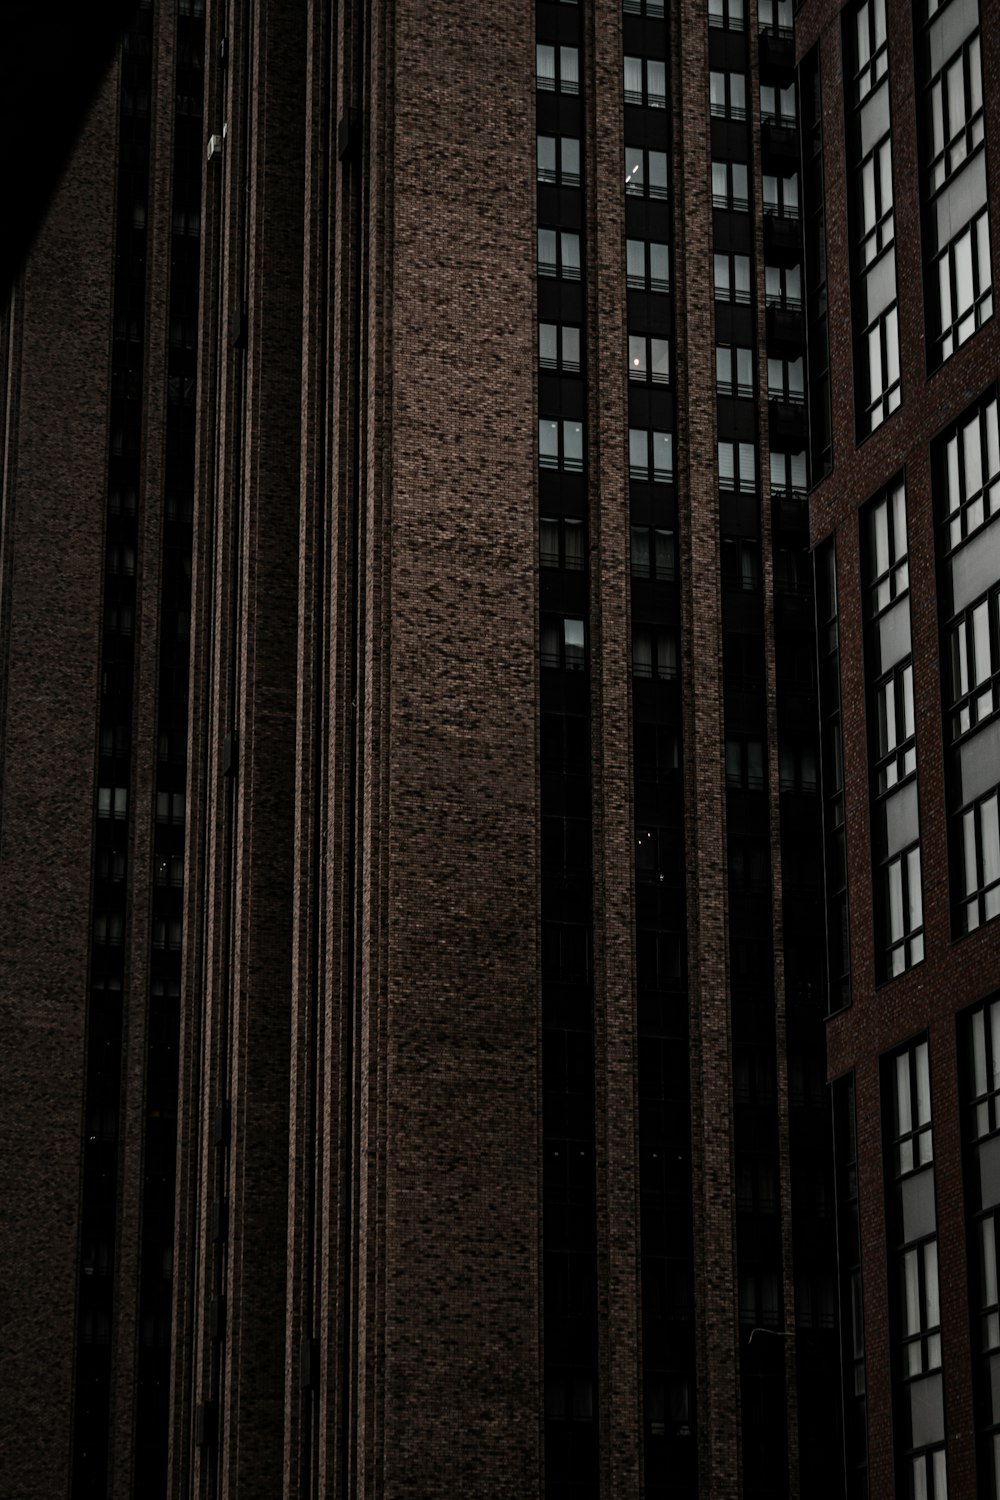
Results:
<point x="650" y="455"/>
<point x="648" y="358"/>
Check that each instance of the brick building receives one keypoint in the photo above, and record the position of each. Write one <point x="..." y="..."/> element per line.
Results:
<point x="416" y="759"/>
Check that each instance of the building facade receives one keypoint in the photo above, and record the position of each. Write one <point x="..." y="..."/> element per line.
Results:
<point x="421" y="967"/>
<point x="907" y="553"/>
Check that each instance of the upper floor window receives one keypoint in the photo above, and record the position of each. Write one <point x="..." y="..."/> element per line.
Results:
<point x="564" y="643"/>
<point x="559" y="160"/>
<point x="646" y="82"/>
<point x="560" y="543"/>
<point x="727" y="14"/>
<point x="783" y="287"/>
<point x="786" y="380"/>
<point x="559" y="254"/>
<point x="648" y="358"/>
<point x="732" y="278"/>
<point x="730" y="187"/>
<point x="650" y="455"/>
<point x="648" y="266"/>
<point x="737" y="467"/>
<point x="559" y="348"/>
<point x="871" y="56"/>
<point x="645" y="173"/>
<point x="653" y="554"/>
<point x="557" y="69"/>
<point x="954" y="122"/>
<point x="778" y="103"/>
<point x="652" y="8"/>
<point x="781" y="195"/>
<point x="888" y="574"/>
<point x="728" y="95"/>
<point x="560" y="445"/>
<point x="733" y="370"/>
<point x="775" y="15"/>
<point x="788" y="473"/>
<point x="968" y="478"/>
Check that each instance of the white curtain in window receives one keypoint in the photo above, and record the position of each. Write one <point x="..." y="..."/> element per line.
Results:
<point x="633" y="80"/>
<point x="545" y="67"/>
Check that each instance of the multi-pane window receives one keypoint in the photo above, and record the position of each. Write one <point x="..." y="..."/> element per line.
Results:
<point x="781" y="195"/>
<point x="870" y="57"/>
<point x="726" y="14"/>
<point x="730" y="185"/>
<point x="980" y="1038"/>
<point x="560" y="543"/>
<point x="646" y="82"/>
<point x="919" y="1404"/>
<point x="559" y="254"/>
<point x="560" y="445"/>
<point x="972" y="670"/>
<point x="778" y="103"/>
<point x="648" y="358"/>
<point x="559" y="347"/>
<point x="964" y="285"/>
<point x="872" y="222"/>
<point x="959" y="281"/>
<point x="966" y="479"/>
<point x="733" y="370"/>
<point x="892" y="735"/>
<point x="645" y="172"/>
<point x="650" y="455"/>
<point x="557" y="69"/>
<point x="737" y="467"/>
<point x="732" y="278"/>
<point x="654" y="652"/>
<point x="740" y="563"/>
<point x="654" y="553"/>
<point x="788" y="474"/>
<point x="786" y="380"/>
<point x="728" y="95"/>
<point x="774" y="15"/>
<point x="558" y="158"/>
<point x="652" y="8"/>
<point x="563" y="643"/>
<point x="783" y="287"/>
<point x="745" y="764"/>
<point x="647" y="266"/>
<point x="954" y="125"/>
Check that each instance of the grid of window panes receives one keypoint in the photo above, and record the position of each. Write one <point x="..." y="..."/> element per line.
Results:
<point x="834" y="808"/>
<point x="871" y="217"/>
<point x="980" y="1048"/>
<point x="918" y="1405"/>
<point x="669" y="1460"/>
<point x="956" y="228"/>
<point x="892" y="748"/>
<point x="568" y="1179"/>
<point x="966" y="477"/>
<point x="851" y="1300"/>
